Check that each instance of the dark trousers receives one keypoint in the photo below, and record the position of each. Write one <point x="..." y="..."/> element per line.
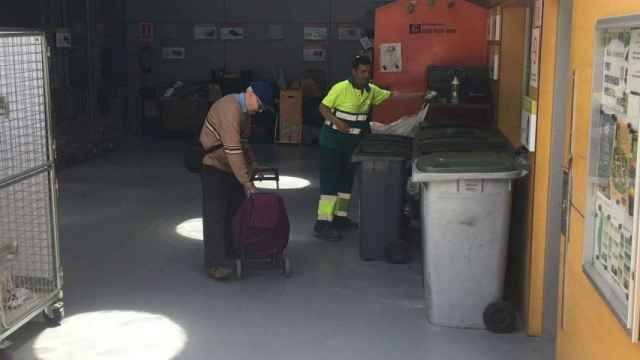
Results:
<point x="222" y="196"/>
<point x="336" y="171"/>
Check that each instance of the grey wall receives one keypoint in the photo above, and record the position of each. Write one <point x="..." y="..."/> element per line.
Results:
<point x="174" y="23"/>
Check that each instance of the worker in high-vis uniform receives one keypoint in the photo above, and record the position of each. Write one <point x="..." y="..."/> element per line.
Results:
<point x="346" y="112"/>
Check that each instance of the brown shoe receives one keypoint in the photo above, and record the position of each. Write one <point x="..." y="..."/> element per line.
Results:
<point x="220" y="273"/>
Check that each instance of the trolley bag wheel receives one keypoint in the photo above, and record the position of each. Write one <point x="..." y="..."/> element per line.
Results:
<point x="286" y="266"/>
<point x="500" y="318"/>
<point x="54" y="314"/>
<point x="239" y="269"/>
<point x="397" y="252"/>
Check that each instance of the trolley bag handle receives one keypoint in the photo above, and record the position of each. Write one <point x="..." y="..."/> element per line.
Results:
<point x="266" y="174"/>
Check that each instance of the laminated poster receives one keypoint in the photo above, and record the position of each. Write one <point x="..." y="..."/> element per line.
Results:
<point x="314" y="54"/>
<point x="205" y="32"/>
<point x="232" y="33"/>
<point x="391" y="57"/>
<point x="614" y="93"/>
<point x="316" y="33"/>
<point x="173" y="53"/>
<point x="349" y="33"/>
<point x="613" y="247"/>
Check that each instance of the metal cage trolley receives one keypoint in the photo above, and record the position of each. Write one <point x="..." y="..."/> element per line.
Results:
<point x="30" y="269"/>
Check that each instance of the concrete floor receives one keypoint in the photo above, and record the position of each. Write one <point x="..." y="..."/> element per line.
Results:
<point x="121" y="253"/>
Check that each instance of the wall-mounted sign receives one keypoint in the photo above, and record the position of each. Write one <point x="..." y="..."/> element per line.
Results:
<point x="391" y="57"/>
<point x="205" y="32"/>
<point x="316" y="33"/>
<point x="535" y="58"/>
<point x="432" y="29"/>
<point x="315" y="54"/>
<point x="349" y="33"/>
<point x="173" y="53"/>
<point x="232" y="33"/>
<point x="146" y="32"/>
<point x="529" y="123"/>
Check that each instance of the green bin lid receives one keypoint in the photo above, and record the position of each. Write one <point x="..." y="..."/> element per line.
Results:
<point x="469" y="162"/>
<point x="430" y="141"/>
<point x="374" y="146"/>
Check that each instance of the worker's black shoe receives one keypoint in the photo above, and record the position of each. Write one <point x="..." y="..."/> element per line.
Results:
<point x="326" y="230"/>
<point x="345" y="224"/>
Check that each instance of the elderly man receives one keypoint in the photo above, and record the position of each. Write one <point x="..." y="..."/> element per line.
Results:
<point x="226" y="171"/>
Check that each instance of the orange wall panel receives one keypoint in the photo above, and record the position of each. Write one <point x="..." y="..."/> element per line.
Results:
<point x="591" y="329"/>
<point x="467" y="46"/>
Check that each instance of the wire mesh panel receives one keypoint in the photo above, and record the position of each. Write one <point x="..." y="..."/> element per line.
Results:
<point x="27" y="262"/>
<point x="23" y="131"/>
<point x="28" y="237"/>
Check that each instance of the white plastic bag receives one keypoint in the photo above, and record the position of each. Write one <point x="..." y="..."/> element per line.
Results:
<point x="405" y="126"/>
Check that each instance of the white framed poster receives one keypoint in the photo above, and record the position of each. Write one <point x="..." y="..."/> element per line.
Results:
<point x="349" y="33"/>
<point x="316" y="33"/>
<point x="314" y="53"/>
<point x="173" y="53"/>
<point x="205" y="32"/>
<point x="611" y="252"/>
<point x="232" y="33"/>
<point x="391" y="57"/>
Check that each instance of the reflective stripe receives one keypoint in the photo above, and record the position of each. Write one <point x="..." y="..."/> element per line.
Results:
<point x="326" y="207"/>
<point x="350" y="117"/>
<point x="352" y="131"/>
<point x="343" y="204"/>
<point x="233" y="152"/>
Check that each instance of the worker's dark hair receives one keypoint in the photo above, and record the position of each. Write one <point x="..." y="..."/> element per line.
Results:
<point x="361" y="60"/>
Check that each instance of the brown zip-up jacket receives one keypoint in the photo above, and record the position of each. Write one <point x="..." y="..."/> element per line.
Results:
<point x="226" y="124"/>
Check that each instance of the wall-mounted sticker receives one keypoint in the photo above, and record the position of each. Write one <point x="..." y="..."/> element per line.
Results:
<point x="232" y="33"/>
<point x="173" y="53"/>
<point x="349" y="33"/>
<point x="315" y="54"/>
<point x="315" y="32"/>
<point x="205" y="32"/>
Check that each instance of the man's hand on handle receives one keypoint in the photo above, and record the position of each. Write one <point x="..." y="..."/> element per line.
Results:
<point x="250" y="188"/>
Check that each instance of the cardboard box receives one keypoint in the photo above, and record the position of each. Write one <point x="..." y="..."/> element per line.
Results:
<point x="290" y="122"/>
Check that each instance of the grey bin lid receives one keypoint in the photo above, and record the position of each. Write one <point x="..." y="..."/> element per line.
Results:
<point x="468" y="162"/>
